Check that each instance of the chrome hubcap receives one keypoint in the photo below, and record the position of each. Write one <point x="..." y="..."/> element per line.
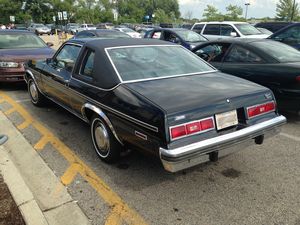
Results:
<point x="101" y="138"/>
<point x="33" y="91"/>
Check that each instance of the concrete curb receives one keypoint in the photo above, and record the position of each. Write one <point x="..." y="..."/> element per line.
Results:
<point x="39" y="194"/>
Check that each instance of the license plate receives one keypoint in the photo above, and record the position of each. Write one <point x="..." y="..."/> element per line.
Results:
<point x="227" y="119"/>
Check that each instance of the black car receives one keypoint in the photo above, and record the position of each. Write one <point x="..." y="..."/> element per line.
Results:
<point x="101" y="33"/>
<point x="155" y="97"/>
<point x="266" y="62"/>
<point x="187" y="38"/>
<point x="272" y="26"/>
<point x="289" y="35"/>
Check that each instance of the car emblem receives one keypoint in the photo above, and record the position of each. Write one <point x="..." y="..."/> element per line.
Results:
<point x="228" y="100"/>
<point x="268" y="96"/>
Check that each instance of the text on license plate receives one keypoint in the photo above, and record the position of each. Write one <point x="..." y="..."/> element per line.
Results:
<point x="226" y="119"/>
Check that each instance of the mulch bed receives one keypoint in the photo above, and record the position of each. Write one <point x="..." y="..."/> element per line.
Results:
<point x="9" y="212"/>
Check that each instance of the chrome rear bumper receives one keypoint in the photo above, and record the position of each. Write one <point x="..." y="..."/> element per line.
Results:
<point x="187" y="156"/>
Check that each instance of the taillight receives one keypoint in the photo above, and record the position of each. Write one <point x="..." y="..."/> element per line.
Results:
<point x="191" y="128"/>
<point x="261" y="109"/>
<point x="298" y="79"/>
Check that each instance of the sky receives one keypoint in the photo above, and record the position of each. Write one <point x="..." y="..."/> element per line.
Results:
<point x="257" y="8"/>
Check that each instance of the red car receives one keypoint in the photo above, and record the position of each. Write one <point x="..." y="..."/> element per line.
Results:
<point x="17" y="47"/>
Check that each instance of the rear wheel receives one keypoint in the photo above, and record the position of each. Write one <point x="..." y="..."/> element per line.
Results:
<point x="37" y="98"/>
<point x="105" y="144"/>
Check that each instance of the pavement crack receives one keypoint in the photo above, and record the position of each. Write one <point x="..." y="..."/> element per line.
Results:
<point x="55" y="207"/>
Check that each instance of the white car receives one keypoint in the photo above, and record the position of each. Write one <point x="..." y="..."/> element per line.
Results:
<point x="39" y="29"/>
<point x="129" y="31"/>
<point x="219" y="30"/>
<point x="86" y="26"/>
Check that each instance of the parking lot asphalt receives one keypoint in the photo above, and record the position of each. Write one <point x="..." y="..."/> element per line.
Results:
<point x="258" y="185"/>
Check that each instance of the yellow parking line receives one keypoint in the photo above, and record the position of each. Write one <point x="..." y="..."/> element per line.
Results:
<point x="120" y="208"/>
<point x="10" y="111"/>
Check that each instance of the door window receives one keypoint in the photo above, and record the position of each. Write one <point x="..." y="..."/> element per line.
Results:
<point x="67" y="56"/>
<point x="213" y="52"/>
<point x="212" y="29"/>
<point x="226" y="30"/>
<point x="242" y="55"/>
<point x="198" y="28"/>
<point x="156" y="35"/>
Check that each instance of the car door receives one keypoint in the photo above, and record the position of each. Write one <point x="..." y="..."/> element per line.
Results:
<point x="289" y="36"/>
<point x="245" y="63"/>
<point x="58" y="72"/>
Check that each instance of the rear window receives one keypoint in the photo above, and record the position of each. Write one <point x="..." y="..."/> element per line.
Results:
<point x="152" y="62"/>
<point x="281" y="52"/>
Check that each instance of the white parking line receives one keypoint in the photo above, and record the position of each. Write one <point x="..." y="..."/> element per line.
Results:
<point x="23" y="100"/>
<point x="290" y="137"/>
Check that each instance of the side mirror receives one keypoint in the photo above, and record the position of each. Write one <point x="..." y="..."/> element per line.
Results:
<point x="49" y="44"/>
<point x="233" y="34"/>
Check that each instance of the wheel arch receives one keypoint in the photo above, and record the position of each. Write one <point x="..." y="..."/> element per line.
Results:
<point x="88" y="110"/>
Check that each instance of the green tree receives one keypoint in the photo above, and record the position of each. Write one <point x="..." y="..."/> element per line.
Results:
<point x="234" y="12"/>
<point x="211" y="13"/>
<point x="286" y="10"/>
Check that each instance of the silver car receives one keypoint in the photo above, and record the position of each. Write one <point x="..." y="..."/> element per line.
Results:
<point x="39" y="29"/>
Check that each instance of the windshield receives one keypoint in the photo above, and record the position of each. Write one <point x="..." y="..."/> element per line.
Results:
<point x="281" y="52"/>
<point x="127" y="30"/>
<point x="152" y="62"/>
<point x="190" y="36"/>
<point x="247" y="29"/>
<point x="15" y="41"/>
<point x="90" y="25"/>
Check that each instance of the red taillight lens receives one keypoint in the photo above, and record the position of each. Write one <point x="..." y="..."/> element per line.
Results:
<point x="261" y="109"/>
<point x="298" y="79"/>
<point x="207" y="124"/>
<point x="193" y="127"/>
<point x="177" y="132"/>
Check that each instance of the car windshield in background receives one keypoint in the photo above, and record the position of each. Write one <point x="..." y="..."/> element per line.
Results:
<point x="15" y="41"/>
<point x="127" y="30"/>
<point x="247" y="29"/>
<point x="281" y="52"/>
<point x="190" y="36"/>
<point x="151" y="62"/>
<point x="113" y="35"/>
<point x="90" y="25"/>
<point x="40" y="25"/>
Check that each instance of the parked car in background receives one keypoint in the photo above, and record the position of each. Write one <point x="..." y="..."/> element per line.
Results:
<point x="105" y="26"/>
<point x="289" y="35"/>
<point x="186" y="38"/>
<point x="264" y="30"/>
<point x="220" y="30"/>
<point x="57" y="29"/>
<point x="39" y="29"/>
<point x="72" y="28"/>
<point x="187" y="26"/>
<point x="101" y="33"/>
<point x="17" y="47"/>
<point x="156" y="97"/>
<point x="86" y="27"/>
<point x="129" y="31"/>
<point x="272" y="26"/>
<point x="266" y="62"/>
<point x="21" y="27"/>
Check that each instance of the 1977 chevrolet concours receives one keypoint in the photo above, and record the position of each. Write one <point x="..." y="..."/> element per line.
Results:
<point x="156" y="97"/>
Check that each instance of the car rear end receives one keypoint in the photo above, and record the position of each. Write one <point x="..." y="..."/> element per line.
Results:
<point x="210" y="132"/>
<point x="11" y="71"/>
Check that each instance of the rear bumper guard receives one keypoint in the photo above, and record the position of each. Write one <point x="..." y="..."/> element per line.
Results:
<point x="187" y="156"/>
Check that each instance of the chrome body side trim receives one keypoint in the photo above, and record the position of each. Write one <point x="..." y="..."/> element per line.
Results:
<point x="102" y="115"/>
<point x="93" y="86"/>
<point x="178" y="158"/>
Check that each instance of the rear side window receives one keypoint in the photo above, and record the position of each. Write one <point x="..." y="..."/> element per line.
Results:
<point x="212" y="29"/>
<point x="198" y="28"/>
<point x="242" y="55"/>
<point x="88" y="64"/>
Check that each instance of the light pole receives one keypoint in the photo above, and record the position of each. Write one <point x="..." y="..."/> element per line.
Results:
<point x="247" y="5"/>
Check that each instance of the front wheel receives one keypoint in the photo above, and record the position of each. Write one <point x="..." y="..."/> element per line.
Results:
<point x="37" y="98"/>
<point x="105" y="144"/>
